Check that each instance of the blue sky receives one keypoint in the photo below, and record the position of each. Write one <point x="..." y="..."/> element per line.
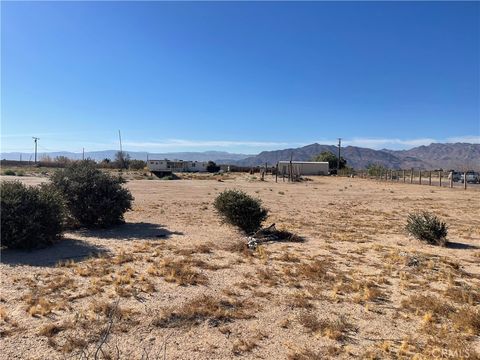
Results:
<point x="240" y="77"/>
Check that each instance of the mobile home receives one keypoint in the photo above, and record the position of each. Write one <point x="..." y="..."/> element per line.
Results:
<point x="166" y="166"/>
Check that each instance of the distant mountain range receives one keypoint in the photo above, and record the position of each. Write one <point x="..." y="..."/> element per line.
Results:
<point x="433" y="156"/>
<point x="461" y="156"/>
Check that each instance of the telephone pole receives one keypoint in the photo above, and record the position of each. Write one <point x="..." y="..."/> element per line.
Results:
<point x="120" y="138"/>
<point x="338" y="160"/>
<point x="35" y="139"/>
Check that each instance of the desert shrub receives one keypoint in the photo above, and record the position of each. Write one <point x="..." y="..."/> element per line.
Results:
<point x="93" y="198"/>
<point x="9" y="172"/>
<point x="212" y="167"/>
<point x="30" y="216"/>
<point x="137" y="164"/>
<point x="427" y="227"/>
<point x="240" y="209"/>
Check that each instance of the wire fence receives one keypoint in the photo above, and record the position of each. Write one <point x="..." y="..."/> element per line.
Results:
<point x="439" y="178"/>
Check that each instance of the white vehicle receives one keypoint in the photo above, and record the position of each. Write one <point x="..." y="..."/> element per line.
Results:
<point x="472" y="177"/>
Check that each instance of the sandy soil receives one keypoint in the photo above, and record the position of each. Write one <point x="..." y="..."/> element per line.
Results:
<point x="173" y="283"/>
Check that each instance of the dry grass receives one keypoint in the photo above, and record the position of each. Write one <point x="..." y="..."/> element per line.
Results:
<point x="467" y="320"/>
<point x="205" y="308"/>
<point x="51" y="329"/>
<point x="181" y="272"/>
<point x="241" y="346"/>
<point x="309" y="354"/>
<point x="422" y="304"/>
<point x="337" y="329"/>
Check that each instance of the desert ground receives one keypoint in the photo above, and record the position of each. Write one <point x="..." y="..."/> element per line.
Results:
<point x="174" y="282"/>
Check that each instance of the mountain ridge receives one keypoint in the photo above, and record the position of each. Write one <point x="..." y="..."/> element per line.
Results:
<point x="433" y="156"/>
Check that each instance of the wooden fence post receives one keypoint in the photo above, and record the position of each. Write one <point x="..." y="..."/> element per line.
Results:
<point x="403" y="175"/>
<point x="420" y="175"/>
<point x="276" y="173"/>
<point x="451" y="179"/>
<point x="430" y="178"/>
<point x="411" y="176"/>
<point x="440" y="178"/>
<point x="464" y="180"/>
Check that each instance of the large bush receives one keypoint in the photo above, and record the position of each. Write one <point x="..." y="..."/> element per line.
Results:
<point x="240" y="209"/>
<point x="31" y="217"/>
<point x="427" y="227"/>
<point x="212" y="167"/>
<point x="93" y="198"/>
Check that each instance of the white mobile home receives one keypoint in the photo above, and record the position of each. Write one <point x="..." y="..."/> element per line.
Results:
<point x="176" y="166"/>
<point x="304" y="167"/>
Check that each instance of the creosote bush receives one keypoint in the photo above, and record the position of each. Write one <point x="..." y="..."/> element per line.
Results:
<point x="93" y="198"/>
<point x="239" y="209"/>
<point x="427" y="227"/>
<point x="31" y="217"/>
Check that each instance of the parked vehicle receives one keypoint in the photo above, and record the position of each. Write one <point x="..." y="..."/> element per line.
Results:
<point x="472" y="177"/>
<point x="455" y="175"/>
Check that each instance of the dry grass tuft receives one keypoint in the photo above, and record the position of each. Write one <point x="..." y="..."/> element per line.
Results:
<point x="301" y="300"/>
<point x="467" y="320"/>
<point x="333" y="329"/>
<point x="206" y="248"/>
<point x="205" y="308"/>
<point x="241" y="346"/>
<point x="308" y="354"/>
<point x="422" y="304"/>
<point x="268" y="277"/>
<point x="51" y="330"/>
<point x="181" y="272"/>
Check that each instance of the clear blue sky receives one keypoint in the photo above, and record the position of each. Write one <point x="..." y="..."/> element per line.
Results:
<point x="241" y="77"/>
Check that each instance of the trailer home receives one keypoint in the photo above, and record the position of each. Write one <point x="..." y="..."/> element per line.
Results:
<point x="304" y="167"/>
<point x="169" y="166"/>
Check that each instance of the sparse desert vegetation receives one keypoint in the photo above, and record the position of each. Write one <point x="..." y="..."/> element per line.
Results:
<point x="177" y="281"/>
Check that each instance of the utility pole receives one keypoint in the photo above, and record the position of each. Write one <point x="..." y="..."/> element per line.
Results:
<point x="35" y="139"/>
<point x="120" y="138"/>
<point x="338" y="160"/>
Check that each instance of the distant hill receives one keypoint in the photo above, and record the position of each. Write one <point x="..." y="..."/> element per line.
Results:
<point x="433" y="156"/>
<point x="446" y="156"/>
<point x="220" y="157"/>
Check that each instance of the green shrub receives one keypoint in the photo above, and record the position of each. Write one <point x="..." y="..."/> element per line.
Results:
<point x="93" y="198"/>
<point x="9" y="172"/>
<point x="240" y="209"/>
<point x="31" y="216"/>
<point x="427" y="227"/>
<point x="212" y="167"/>
<point x="137" y="164"/>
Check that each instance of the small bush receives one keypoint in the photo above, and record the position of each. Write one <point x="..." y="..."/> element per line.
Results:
<point x="240" y="209"/>
<point x="93" y="198"/>
<point x="9" y="172"/>
<point x="31" y="216"/>
<point x="137" y="164"/>
<point x="427" y="227"/>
